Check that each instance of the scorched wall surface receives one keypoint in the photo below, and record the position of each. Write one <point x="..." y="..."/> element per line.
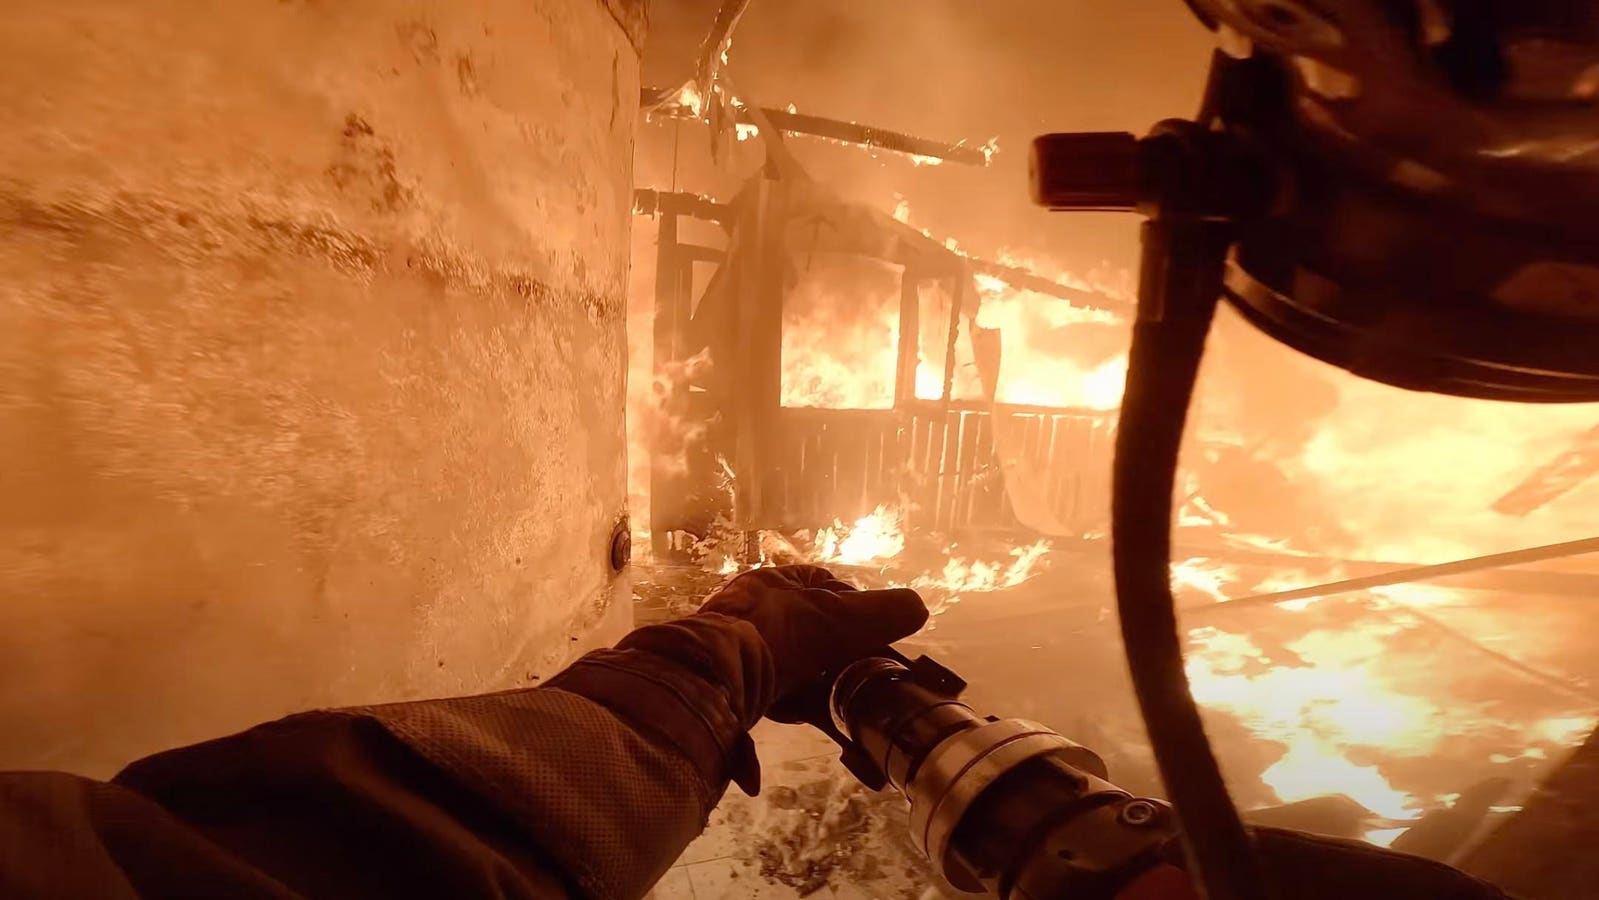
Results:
<point x="311" y="357"/>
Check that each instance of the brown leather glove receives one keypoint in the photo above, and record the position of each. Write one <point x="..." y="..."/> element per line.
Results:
<point x="814" y="623"/>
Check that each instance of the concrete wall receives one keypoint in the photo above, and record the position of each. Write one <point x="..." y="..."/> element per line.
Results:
<point x="311" y="357"/>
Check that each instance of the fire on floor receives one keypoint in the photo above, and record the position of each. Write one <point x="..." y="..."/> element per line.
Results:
<point x="820" y="380"/>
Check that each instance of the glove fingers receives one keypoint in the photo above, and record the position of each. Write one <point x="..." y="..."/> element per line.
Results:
<point x="866" y="620"/>
<point x="790" y="576"/>
<point x="814" y="577"/>
<point x="897" y="612"/>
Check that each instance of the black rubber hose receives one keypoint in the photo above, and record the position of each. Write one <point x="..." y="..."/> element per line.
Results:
<point x="1179" y="285"/>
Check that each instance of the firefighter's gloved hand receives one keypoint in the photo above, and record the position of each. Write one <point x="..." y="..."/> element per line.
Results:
<point x="814" y="623"/>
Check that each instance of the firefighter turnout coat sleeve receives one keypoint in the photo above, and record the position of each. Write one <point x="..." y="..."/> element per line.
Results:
<point x="589" y="786"/>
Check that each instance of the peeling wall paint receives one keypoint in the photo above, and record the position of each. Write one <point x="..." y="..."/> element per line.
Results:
<point x="311" y="357"/>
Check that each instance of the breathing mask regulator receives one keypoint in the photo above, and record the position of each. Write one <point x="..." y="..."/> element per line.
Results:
<point x="1406" y="189"/>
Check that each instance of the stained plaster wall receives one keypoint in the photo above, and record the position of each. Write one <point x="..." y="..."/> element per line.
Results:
<point x="311" y="357"/>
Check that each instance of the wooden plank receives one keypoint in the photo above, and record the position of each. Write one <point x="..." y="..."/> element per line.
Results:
<point x="1028" y="428"/>
<point x="949" y="468"/>
<point x="966" y="470"/>
<point x="830" y="472"/>
<point x="798" y="495"/>
<point x="897" y="455"/>
<point x="909" y="339"/>
<point x="982" y="474"/>
<point x="986" y="475"/>
<point x="815" y="480"/>
<point x="932" y="428"/>
<point x="1064" y="455"/>
<point x="1043" y="460"/>
<point x="911" y="440"/>
<point x="664" y="511"/>
<point x="648" y="201"/>
<point x="745" y="374"/>
<point x="792" y="453"/>
<point x="684" y="313"/>
<point x="1028" y="458"/>
<point x="1086" y="501"/>
<point x="851" y="476"/>
<point x="870" y="431"/>
<point x="1032" y="454"/>
<point x="875" y="462"/>
<point x="661" y="103"/>
<point x="957" y="299"/>
<point x="1095" y="496"/>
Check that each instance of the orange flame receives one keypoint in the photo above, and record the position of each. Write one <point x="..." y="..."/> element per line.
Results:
<point x="875" y="537"/>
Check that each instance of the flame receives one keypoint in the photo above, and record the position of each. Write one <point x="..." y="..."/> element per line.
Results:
<point x="688" y="96"/>
<point x="851" y="370"/>
<point x="1368" y="472"/>
<point x="1314" y="768"/>
<point x="841" y="336"/>
<point x="1342" y="702"/>
<point x="1037" y="365"/>
<point x="1331" y="701"/>
<point x="1358" y="470"/>
<point x="1112" y="282"/>
<point x="1382" y="473"/>
<point x="875" y="537"/>
<point x="1201" y="574"/>
<point x="1567" y="730"/>
<point x="963" y="576"/>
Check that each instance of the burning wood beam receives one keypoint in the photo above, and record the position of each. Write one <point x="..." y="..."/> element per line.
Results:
<point x="1418" y="573"/>
<point x="662" y="102"/>
<point x="649" y="202"/>
<point x="1028" y="280"/>
<point x="876" y="138"/>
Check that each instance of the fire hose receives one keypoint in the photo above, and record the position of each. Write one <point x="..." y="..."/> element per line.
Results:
<point x="1005" y="806"/>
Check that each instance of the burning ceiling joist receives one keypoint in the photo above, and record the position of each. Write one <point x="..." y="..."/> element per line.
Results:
<point x="708" y="98"/>
<point x="652" y="202"/>
<point x="686" y="103"/>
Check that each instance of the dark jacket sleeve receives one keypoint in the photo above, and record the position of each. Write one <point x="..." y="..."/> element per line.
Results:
<point x="589" y="786"/>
